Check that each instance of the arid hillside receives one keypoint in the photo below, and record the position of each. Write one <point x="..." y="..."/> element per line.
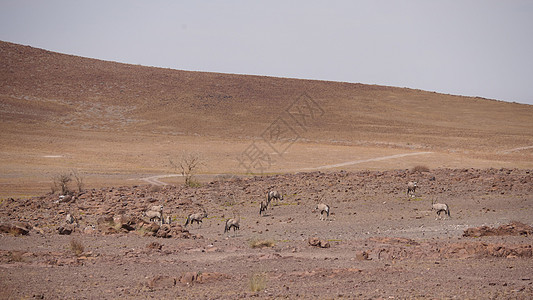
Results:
<point x="115" y="122"/>
<point x="119" y="131"/>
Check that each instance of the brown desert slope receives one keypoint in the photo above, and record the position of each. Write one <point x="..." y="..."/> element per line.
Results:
<point x="116" y="121"/>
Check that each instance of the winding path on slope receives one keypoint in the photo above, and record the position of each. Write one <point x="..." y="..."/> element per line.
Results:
<point x="154" y="180"/>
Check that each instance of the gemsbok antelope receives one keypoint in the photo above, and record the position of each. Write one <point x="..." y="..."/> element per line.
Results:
<point x="197" y="217"/>
<point x="323" y="208"/>
<point x="271" y="195"/>
<point x="232" y="223"/>
<point x="262" y="207"/>
<point x="155" y="212"/>
<point x="411" y="188"/>
<point x="440" y="207"/>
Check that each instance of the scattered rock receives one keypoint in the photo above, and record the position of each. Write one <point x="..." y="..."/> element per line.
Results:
<point x="514" y="228"/>
<point x="188" y="278"/>
<point x="155" y="246"/>
<point x="211" y="277"/>
<point x="164" y="231"/>
<point x="362" y="255"/>
<point x="18" y="228"/>
<point x="162" y="281"/>
<point x="89" y="230"/>
<point x="316" y="242"/>
<point x="66" y="229"/>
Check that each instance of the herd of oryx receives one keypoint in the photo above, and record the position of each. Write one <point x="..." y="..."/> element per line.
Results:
<point x="156" y="212"/>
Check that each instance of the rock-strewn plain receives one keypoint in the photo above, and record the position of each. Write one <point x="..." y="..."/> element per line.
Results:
<point x="381" y="243"/>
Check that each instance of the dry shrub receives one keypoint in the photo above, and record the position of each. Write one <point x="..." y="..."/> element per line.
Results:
<point x="155" y="188"/>
<point x="15" y="231"/>
<point x="258" y="282"/>
<point x="78" y="177"/>
<point x="76" y="247"/>
<point x="261" y="243"/>
<point x="420" y="169"/>
<point x="61" y="182"/>
<point x="16" y="256"/>
<point x="188" y="165"/>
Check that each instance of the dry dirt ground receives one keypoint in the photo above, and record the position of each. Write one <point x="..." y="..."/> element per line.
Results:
<point x="378" y="243"/>
<point x="116" y="123"/>
<point x="119" y="126"/>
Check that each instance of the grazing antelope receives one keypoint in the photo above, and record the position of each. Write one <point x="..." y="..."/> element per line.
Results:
<point x="271" y="195"/>
<point x="155" y="212"/>
<point x="323" y="208"/>
<point x="262" y="207"/>
<point x="440" y="207"/>
<point x="232" y="223"/>
<point x="197" y="217"/>
<point x="411" y="188"/>
<point x="154" y="215"/>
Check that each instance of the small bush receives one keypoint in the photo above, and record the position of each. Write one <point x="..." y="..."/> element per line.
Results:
<point x="15" y="231"/>
<point x="261" y="243"/>
<point x="79" y="180"/>
<point x="16" y="256"/>
<point x="188" y="165"/>
<point x="420" y="169"/>
<point x="155" y="188"/>
<point x="76" y="247"/>
<point x="257" y="282"/>
<point x="193" y="183"/>
<point x="61" y="182"/>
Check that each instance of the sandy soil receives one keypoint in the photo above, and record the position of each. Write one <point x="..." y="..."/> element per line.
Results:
<point x="116" y="123"/>
<point x="382" y="244"/>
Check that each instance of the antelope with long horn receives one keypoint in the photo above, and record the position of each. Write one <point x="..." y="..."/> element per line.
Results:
<point x="197" y="217"/>
<point x="232" y="223"/>
<point x="440" y="207"/>
<point x="271" y="195"/>
<point x="262" y="207"/>
<point x="323" y="208"/>
<point x="411" y="188"/>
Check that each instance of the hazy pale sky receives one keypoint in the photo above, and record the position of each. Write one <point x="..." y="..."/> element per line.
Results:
<point x="475" y="48"/>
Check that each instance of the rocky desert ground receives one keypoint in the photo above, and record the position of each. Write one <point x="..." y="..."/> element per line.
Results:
<point x="122" y="129"/>
<point x="376" y="243"/>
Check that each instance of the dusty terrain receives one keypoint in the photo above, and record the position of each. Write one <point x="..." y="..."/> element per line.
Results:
<point x="381" y="243"/>
<point x="116" y="123"/>
<point x="353" y="146"/>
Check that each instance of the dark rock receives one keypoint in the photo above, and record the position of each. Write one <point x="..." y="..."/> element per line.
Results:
<point x="65" y="229"/>
<point x="162" y="281"/>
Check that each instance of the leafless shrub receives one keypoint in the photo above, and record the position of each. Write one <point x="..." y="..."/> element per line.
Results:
<point x="76" y="247"/>
<point x="61" y="181"/>
<point x="420" y="169"/>
<point x="188" y="164"/>
<point x="79" y="180"/>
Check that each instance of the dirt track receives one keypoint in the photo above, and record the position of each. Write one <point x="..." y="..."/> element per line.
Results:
<point x="382" y="244"/>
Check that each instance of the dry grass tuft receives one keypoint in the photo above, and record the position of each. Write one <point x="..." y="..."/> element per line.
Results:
<point x="420" y="169"/>
<point x="76" y="247"/>
<point x="258" y="282"/>
<point x="16" y="256"/>
<point x="15" y="231"/>
<point x="262" y="243"/>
